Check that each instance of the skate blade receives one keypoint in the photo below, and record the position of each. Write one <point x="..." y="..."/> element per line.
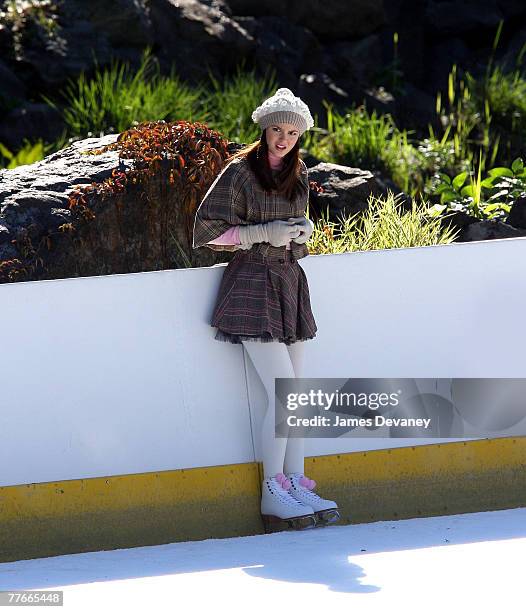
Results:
<point x="273" y="523"/>
<point x="327" y="517"/>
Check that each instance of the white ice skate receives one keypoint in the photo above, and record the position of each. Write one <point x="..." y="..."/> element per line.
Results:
<point x="279" y="508"/>
<point x="325" y="510"/>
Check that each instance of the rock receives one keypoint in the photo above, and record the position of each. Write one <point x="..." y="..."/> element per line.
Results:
<point x="442" y="56"/>
<point x="409" y="56"/>
<point x="358" y="61"/>
<point x="12" y="89"/>
<point x="511" y="8"/>
<point x="415" y="108"/>
<point x="379" y="99"/>
<point x="30" y="121"/>
<point x="310" y="160"/>
<point x="345" y="190"/>
<point x="34" y="198"/>
<point x="331" y="19"/>
<point x="316" y="88"/>
<point x="79" y="214"/>
<point x="126" y="23"/>
<point x="517" y="214"/>
<point x="290" y="49"/>
<point x="489" y="229"/>
<point x="86" y="32"/>
<point x="454" y="17"/>
<point x="6" y="37"/>
<point x="184" y="26"/>
<point x="457" y="221"/>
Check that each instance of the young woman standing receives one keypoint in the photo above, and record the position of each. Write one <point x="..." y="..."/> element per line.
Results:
<point x="256" y="207"/>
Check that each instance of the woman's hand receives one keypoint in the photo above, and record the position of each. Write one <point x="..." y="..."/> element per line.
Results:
<point x="306" y="228"/>
<point x="278" y="233"/>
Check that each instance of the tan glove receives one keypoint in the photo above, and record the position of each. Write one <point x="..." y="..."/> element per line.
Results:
<point x="306" y="228"/>
<point x="278" y="233"/>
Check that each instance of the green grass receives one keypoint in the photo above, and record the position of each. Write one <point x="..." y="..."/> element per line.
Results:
<point x="483" y="122"/>
<point x="366" y="140"/>
<point x="485" y="117"/>
<point x="29" y="153"/>
<point x="384" y="225"/>
<point x="115" y="99"/>
<point x="230" y="104"/>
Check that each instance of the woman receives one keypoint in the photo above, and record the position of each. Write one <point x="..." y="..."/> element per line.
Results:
<point x="256" y="207"/>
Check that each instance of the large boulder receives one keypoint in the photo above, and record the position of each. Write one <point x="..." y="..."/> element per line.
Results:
<point x="489" y="229"/>
<point x="71" y="36"/>
<point x="517" y="214"/>
<point x="83" y="212"/>
<point x="331" y="19"/>
<point x="30" y="119"/>
<point x="198" y="37"/>
<point x="345" y="191"/>
<point x="11" y="87"/>
<point x="290" y="49"/>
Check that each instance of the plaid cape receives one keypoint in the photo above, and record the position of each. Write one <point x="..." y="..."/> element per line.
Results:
<point x="264" y="293"/>
<point x="236" y="198"/>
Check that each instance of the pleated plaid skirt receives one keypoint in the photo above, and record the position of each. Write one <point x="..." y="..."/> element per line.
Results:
<point x="263" y="298"/>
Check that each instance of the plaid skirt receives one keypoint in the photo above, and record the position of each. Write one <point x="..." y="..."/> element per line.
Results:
<point x="263" y="298"/>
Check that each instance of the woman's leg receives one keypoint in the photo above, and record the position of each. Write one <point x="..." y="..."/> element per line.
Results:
<point x="295" y="450"/>
<point x="271" y="360"/>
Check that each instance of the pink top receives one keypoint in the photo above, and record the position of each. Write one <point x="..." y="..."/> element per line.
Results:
<point x="231" y="236"/>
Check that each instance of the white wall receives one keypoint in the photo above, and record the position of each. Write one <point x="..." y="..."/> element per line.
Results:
<point x="121" y="374"/>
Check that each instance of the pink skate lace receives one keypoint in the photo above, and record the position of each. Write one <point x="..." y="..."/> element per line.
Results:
<point x="308" y="483"/>
<point x="283" y="481"/>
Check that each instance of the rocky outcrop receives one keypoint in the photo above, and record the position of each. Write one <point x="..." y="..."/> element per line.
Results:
<point x="517" y="214"/>
<point x="332" y="19"/>
<point x="184" y="26"/>
<point x="323" y="50"/>
<point x="43" y="235"/>
<point x="344" y="190"/>
<point x="489" y="229"/>
<point x="51" y="227"/>
<point x="80" y="212"/>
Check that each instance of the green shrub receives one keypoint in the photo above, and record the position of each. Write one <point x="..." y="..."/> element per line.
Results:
<point x="486" y="198"/>
<point x="229" y="104"/>
<point x="116" y="99"/>
<point x="28" y="154"/>
<point x="384" y="225"/>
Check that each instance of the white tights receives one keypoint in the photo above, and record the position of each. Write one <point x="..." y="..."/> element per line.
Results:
<point x="277" y="360"/>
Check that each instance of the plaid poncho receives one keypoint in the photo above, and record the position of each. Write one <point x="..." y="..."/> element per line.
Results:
<point x="236" y="198"/>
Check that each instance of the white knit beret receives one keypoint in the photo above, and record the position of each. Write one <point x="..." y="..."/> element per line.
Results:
<point x="283" y="107"/>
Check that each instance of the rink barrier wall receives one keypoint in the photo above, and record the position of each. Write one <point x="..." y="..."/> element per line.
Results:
<point x="127" y="424"/>
<point x="57" y="518"/>
<point x="120" y="374"/>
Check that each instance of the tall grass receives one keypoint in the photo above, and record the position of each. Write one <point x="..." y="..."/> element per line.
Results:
<point x="486" y="116"/>
<point x="115" y="99"/>
<point x="29" y="153"/>
<point x="384" y="225"/>
<point x="482" y="120"/>
<point x="230" y="103"/>
<point x="363" y="140"/>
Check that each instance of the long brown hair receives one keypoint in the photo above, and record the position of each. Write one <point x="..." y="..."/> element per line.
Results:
<point x="286" y="181"/>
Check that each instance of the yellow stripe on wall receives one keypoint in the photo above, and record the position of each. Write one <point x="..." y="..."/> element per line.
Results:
<point x="46" y="519"/>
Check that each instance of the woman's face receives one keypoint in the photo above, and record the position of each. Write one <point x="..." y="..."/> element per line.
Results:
<point x="281" y="138"/>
